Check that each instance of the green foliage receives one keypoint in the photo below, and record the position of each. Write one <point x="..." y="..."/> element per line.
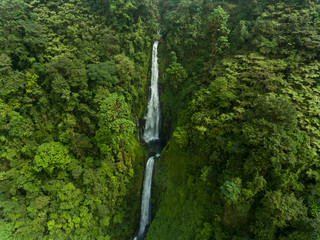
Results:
<point x="219" y="30"/>
<point x="115" y="126"/>
<point x="180" y="137"/>
<point x="6" y="230"/>
<point x="103" y="74"/>
<point x="231" y="190"/>
<point x="12" y="17"/>
<point x="176" y="73"/>
<point x="50" y="156"/>
<point x="31" y="82"/>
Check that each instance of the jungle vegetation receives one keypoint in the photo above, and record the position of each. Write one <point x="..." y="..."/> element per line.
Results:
<point x="240" y="102"/>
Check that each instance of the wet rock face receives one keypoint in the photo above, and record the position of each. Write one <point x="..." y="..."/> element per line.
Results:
<point x="155" y="147"/>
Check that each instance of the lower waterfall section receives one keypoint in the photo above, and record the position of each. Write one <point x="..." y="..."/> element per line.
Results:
<point x="146" y="195"/>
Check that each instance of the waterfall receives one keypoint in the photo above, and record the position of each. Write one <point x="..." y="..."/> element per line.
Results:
<point x="146" y="195"/>
<point x="151" y="130"/>
<point x="151" y="136"/>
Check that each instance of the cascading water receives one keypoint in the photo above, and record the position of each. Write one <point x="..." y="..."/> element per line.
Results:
<point x="151" y="135"/>
<point x="146" y="195"/>
<point x="151" y="130"/>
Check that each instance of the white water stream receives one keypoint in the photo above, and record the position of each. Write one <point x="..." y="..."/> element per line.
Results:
<point x="145" y="218"/>
<point x="151" y="133"/>
<point x="151" y="130"/>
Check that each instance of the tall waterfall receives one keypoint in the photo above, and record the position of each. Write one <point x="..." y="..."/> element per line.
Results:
<point x="151" y="130"/>
<point x="151" y="134"/>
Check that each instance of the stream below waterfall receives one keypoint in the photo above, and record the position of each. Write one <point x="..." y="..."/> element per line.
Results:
<point x="150" y="136"/>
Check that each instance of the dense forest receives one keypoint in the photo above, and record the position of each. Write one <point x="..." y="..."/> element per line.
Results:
<point x="73" y="80"/>
<point x="240" y="102"/>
